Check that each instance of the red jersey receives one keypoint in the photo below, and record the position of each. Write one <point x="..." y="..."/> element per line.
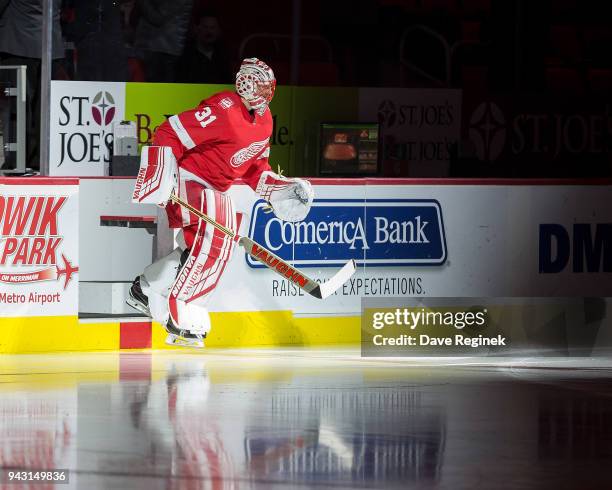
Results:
<point x="219" y="141"/>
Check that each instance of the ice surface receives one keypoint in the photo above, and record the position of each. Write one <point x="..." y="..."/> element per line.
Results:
<point x="296" y="418"/>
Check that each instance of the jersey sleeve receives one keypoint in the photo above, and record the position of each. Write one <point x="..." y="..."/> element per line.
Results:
<point x="189" y="129"/>
<point x="258" y="167"/>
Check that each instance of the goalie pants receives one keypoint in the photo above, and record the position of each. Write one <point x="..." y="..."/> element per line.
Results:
<point x="190" y="274"/>
<point x="193" y="192"/>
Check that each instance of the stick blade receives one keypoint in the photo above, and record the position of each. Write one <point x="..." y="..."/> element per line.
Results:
<point x="329" y="287"/>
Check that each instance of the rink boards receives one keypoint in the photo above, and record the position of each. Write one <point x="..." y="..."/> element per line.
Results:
<point x="74" y="245"/>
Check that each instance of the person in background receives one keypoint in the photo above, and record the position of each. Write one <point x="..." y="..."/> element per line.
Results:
<point x="206" y="59"/>
<point x="160" y="36"/>
<point x="21" y="44"/>
<point x="129" y="22"/>
<point x="96" y="31"/>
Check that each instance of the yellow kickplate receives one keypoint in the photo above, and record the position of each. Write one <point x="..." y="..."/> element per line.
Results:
<point x="272" y="328"/>
<point x="244" y="329"/>
<point x="56" y="333"/>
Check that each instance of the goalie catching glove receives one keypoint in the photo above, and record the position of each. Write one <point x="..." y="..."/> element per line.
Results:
<point x="289" y="198"/>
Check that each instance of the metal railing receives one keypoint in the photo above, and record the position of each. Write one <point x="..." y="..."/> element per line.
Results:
<point x="406" y="63"/>
<point x="13" y="120"/>
<point x="448" y="51"/>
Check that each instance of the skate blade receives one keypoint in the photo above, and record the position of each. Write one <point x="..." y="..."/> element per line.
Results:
<point x="175" y="340"/>
<point x="137" y="305"/>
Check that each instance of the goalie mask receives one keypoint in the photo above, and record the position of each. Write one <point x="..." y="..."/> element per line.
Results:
<point x="255" y="83"/>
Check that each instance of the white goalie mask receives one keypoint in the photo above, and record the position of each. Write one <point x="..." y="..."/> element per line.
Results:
<point x="255" y="83"/>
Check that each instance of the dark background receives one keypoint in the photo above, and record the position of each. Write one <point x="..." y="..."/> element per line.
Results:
<point x="537" y="74"/>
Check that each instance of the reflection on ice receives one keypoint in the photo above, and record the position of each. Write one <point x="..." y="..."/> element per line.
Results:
<point x="343" y="435"/>
<point x="230" y="419"/>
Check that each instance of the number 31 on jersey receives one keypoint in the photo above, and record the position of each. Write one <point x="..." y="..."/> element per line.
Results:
<point x="205" y="116"/>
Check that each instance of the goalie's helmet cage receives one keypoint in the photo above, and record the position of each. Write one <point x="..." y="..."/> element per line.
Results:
<point x="255" y="83"/>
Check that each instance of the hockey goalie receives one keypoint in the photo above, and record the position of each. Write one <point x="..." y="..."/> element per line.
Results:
<point x="198" y="155"/>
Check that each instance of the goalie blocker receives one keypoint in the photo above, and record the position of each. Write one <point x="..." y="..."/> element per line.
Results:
<point x="157" y="176"/>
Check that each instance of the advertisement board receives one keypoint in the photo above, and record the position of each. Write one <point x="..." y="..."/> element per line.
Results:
<point x="81" y="126"/>
<point x="82" y="114"/>
<point x="382" y="232"/>
<point x="39" y="247"/>
<point x="442" y="240"/>
<point x="421" y="126"/>
<point x="538" y="134"/>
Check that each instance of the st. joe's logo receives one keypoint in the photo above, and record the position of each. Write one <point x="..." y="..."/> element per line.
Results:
<point x="391" y="232"/>
<point x="103" y="108"/>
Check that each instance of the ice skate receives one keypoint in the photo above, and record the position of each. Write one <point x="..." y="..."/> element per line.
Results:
<point x="183" y="338"/>
<point x="137" y="299"/>
<point x="178" y="341"/>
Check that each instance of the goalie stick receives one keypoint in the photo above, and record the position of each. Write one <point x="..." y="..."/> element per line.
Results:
<point x="275" y="263"/>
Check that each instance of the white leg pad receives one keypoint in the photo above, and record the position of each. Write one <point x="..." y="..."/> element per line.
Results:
<point x="156" y="281"/>
<point x="205" y="265"/>
<point x="193" y="317"/>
